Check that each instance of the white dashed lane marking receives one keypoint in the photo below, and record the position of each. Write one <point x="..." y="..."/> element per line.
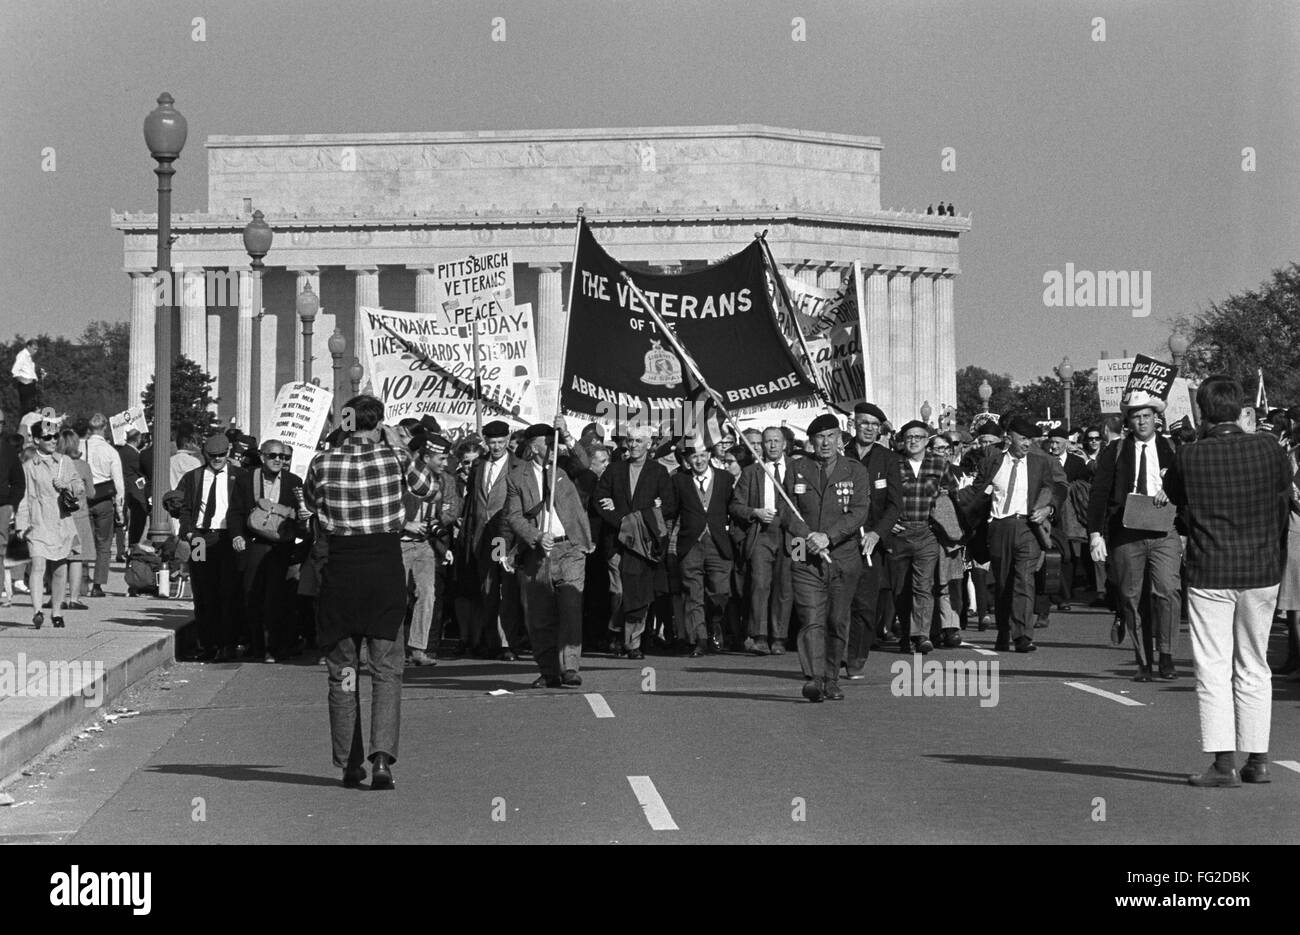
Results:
<point x="599" y="706"/>
<point x="1105" y="694"/>
<point x="656" y="812"/>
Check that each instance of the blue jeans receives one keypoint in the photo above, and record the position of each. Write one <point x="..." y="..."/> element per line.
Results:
<point x="386" y="660"/>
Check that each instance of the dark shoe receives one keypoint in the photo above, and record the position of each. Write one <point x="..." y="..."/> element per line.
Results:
<point x="906" y="647"/>
<point x="1117" y="630"/>
<point x="225" y="654"/>
<point x="1255" y="772"/>
<point x="1002" y="645"/>
<point x="58" y="622"/>
<point x="419" y="657"/>
<point x="812" y="690"/>
<point x="1167" y="671"/>
<point x="546" y="681"/>
<point x="715" y="645"/>
<point x="1214" y="778"/>
<point x="952" y="638"/>
<point x="507" y="656"/>
<point x="1040" y="622"/>
<point x="570" y="679"/>
<point x="1064" y="608"/>
<point x="700" y="649"/>
<point x="1025" y="645"/>
<point x="635" y="654"/>
<point x="921" y="645"/>
<point x="853" y="674"/>
<point x="616" y="647"/>
<point x="38" y="620"/>
<point x="756" y="647"/>
<point x="778" y="649"/>
<point x="268" y="659"/>
<point x="383" y="777"/>
<point x="832" y="691"/>
<point x="1144" y="675"/>
<point x="353" y="777"/>
<point x="76" y="605"/>
<point x="96" y="591"/>
<point x="986" y="621"/>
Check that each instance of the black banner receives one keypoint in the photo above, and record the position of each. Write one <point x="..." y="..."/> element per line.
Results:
<point x="617" y="358"/>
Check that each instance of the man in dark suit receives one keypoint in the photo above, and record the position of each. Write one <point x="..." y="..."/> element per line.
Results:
<point x="481" y="550"/>
<point x="551" y="547"/>
<point x="636" y="502"/>
<point x="1137" y="464"/>
<point x="757" y="508"/>
<point x="831" y="494"/>
<point x="704" y="549"/>
<point x="137" y="488"/>
<point x="1076" y="469"/>
<point x="886" y="507"/>
<point x="1027" y="486"/>
<point x="268" y="596"/>
<point x="213" y="512"/>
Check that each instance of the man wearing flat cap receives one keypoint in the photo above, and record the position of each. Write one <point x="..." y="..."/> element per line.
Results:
<point x="213" y="512"/>
<point x="426" y="524"/>
<point x="1014" y="488"/>
<point x="552" y="537"/>
<point x="832" y="494"/>
<point x="480" y="552"/>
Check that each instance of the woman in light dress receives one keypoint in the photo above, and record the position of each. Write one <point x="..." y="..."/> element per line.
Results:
<point x="51" y="536"/>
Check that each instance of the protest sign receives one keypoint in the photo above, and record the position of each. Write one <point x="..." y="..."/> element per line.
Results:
<point x="122" y="422"/>
<point x="297" y="419"/>
<point x="475" y="288"/>
<point x="1149" y="375"/>
<point x="1112" y="377"/>
<point x="1182" y="406"/>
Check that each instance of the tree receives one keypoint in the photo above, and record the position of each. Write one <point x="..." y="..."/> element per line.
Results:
<point x="81" y="378"/>
<point x="1049" y="393"/>
<point x="1246" y="332"/>
<point x="191" y="397"/>
<point x="968" y="396"/>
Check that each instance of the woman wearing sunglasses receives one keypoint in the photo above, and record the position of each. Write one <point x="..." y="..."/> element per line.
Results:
<point x="44" y="518"/>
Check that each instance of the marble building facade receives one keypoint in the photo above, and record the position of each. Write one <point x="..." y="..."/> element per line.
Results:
<point x="366" y="217"/>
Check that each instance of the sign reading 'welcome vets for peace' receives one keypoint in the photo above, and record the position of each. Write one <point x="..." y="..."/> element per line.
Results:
<point x="617" y="357"/>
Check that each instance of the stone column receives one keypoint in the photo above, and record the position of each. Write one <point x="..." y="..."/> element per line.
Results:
<point x="831" y="278"/>
<point x="424" y="290"/>
<point x="268" y="383"/>
<point x="901" y="370"/>
<point x="367" y="294"/>
<point x="876" y="289"/>
<point x="551" y="321"/>
<point x="306" y="274"/>
<point x="143" y="321"/>
<point x="808" y="273"/>
<point x="194" y="310"/>
<point x="244" y="351"/>
<point x="925" y="381"/>
<point x="213" y="363"/>
<point x="946" y="338"/>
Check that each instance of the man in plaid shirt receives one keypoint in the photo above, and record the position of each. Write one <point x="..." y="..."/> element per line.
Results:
<point x="356" y="492"/>
<point x="1235" y="486"/>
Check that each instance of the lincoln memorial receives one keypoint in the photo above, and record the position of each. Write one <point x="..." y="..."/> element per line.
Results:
<point x="365" y="218"/>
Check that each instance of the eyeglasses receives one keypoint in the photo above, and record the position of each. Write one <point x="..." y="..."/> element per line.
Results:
<point x="1094" y="438"/>
<point x="275" y="456"/>
<point x="941" y="449"/>
<point x="915" y="438"/>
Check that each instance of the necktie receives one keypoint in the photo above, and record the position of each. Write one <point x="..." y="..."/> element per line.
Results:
<point x="1011" y="486"/>
<point x="704" y="500"/>
<point x="546" y="484"/>
<point x="1142" y="472"/>
<point x="210" y="509"/>
<point x="777" y="471"/>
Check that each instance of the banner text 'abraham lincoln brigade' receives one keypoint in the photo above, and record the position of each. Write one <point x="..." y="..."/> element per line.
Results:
<point x="619" y="364"/>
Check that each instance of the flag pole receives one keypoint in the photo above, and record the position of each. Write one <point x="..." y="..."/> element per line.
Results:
<point x="478" y="382"/>
<point x="695" y="372"/>
<point x="564" y="356"/>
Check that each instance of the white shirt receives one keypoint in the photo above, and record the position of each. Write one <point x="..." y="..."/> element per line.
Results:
<point x="769" y="488"/>
<point x="1018" y="499"/>
<point x="916" y="466"/>
<point x="24" y="367"/>
<point x="556" y="527"/>
<point x="223" y="498"/>
<point x="181" y="464"/>
<point x="105" y="464"/>
<point x="1154" y="485"/>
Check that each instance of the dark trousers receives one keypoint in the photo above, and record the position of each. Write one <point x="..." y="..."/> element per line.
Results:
<point x="268" y="623"/>
<point x="1014" y="552"/>
<point x="865" y="609"/>
<point x="218" y="591"/>
<point x="916" y="556"/>
<point x="771" y="594"/>
<point x="706" y="587"/>
<point x="137" y="517"/>
<point x="101" y="525"/>
<point x="497" y="608"/>
<point x="386" y="661"/>
<point x="1147" y="573"/>
<point x="29" y="398"/>
<point x="823" y="601"/>
<point x="551" y="589"/>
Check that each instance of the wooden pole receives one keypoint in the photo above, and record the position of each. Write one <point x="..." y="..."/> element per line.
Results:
<point x="564" y="355"/>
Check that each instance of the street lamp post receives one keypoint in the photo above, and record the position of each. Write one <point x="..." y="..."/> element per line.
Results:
<point x="355" y="373"/>
<point x="164" y="133"/>
<point x="1178" y="345"/>
<point x="986" y="393"/>
<point x="926" y="412"/>
<point x="257" y="244"/>
<point x="337" y="345"/>
<point x="1065" y="370"/>
<point x="308" y="305"/>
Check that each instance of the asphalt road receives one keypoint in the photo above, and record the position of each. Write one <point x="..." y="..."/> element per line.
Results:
<point x="722" y="749"/>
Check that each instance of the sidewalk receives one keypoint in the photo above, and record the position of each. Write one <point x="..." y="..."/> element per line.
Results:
<point x="54" y="681"/>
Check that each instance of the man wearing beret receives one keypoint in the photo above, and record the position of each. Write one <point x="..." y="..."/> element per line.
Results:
<point x="546" y="518"/>
<point x="886" y="493"/>
<point x="479" y="555"/>
<point x="1014" y="488"/>
<point x="213" y="512"/>
<point x="832" y="494"/>
<point x="424" y="518"/>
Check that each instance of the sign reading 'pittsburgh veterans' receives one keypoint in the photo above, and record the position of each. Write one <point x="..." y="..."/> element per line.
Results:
<point x="474" y="288"/>
<point x="618" y="358"/>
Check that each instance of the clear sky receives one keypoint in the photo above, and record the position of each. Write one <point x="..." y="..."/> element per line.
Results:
<point x="1122" y="154"/>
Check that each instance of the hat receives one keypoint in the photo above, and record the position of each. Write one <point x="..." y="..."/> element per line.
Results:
<point x="1059" y="432"/>
<point x="430" y="424"/>
<point x="216" y="445"/>
<point x="823" y="423"/>
<point x="1023" y="425"/>
<point x="870" y="409"/>
<point x="496" y="429"/>
<point x="914" y="424"/>
<point x="599" y="429"/>
<point x="536" y="430"/>
<point x="1141" y="399"/>
<point x="437" y="444"/>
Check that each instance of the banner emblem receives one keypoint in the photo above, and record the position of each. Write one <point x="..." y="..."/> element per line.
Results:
<point x="662" y="368"/>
